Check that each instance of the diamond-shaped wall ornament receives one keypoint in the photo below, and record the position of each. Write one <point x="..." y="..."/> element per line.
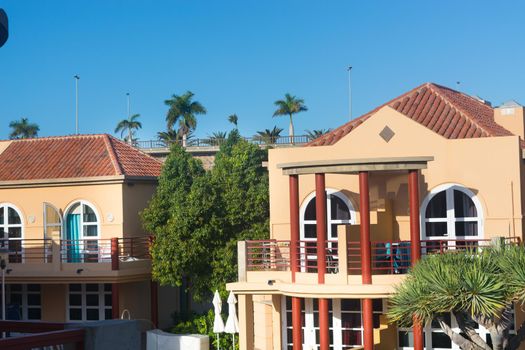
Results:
<point x="386" y="134"/>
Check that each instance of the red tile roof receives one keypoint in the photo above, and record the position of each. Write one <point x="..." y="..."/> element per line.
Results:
<point x="78" y="156"/>
<point x="449" y="113"/>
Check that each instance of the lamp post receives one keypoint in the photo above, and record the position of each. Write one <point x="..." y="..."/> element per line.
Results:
<point x="4" y="254"/>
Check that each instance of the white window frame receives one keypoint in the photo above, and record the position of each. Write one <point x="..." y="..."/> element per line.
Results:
<point x="5" y="226"/>
<point x="450" y="218"/>
<point x="47" y="225"/>
<point x="25" y="300"/>
<point x="329" y="234"/>
<point x="102" y="307"/>
<point x="100" y="249"/>
<point x="309" y="340"/>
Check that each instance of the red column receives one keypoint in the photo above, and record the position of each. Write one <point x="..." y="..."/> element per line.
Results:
<point x="415" y="243"/>
<point x="154" y="303"/>
<point x="320" y="216"/>
<point x="115" y="311"/>
<point x="294" y="259"/>
<point x="294" y="224"/>
<point x="366" y="258"/>
<point x="114" y="254"/>
<point x="296" y="324"/>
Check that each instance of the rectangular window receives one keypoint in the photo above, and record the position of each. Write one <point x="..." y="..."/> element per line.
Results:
<point x="23" y="302"/>
<point x="89" y="302"/>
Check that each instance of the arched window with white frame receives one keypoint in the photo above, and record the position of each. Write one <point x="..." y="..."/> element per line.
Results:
<point x="11" y="227"/>
<point x="451" y="212"/>
<point x="82" y="230"/>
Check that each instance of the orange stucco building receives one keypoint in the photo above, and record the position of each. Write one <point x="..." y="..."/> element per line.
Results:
<point x="431" y="170"/>
<point x="69" y="220"/>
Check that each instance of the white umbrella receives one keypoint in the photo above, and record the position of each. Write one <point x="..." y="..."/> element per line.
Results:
<point x="218" y="323"/>
<point x="232" y="323"/>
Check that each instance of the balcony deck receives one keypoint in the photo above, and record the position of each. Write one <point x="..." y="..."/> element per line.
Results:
<point x="86" y="260"/>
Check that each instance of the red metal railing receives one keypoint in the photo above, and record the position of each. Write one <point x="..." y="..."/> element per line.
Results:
<point x="28" y="250"/>
<point x="268" y="255"/>
<point x="85" y="250"/>
<point x="388" y="257"/>
<point x="39" y="335"/>
<point x="134" y="248"/>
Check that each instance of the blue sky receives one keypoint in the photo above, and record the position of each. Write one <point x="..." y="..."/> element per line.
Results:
<point x="240" y="56"/>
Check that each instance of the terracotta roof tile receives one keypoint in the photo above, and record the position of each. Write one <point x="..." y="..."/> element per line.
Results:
<point x="73" y="157"/>
<point x="447" y="112"/>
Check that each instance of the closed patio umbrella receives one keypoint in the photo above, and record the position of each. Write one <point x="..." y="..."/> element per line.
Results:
<point x="218" y="323"/>
<point x="232" y="323"/>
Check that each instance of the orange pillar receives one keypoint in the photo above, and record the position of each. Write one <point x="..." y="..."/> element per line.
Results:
<point x="294" y="259"/>
<point x="366" y="258"/>
<point x="114" y="254"/>
<point x="415" y="242"/>
<point x="320" y="216"/>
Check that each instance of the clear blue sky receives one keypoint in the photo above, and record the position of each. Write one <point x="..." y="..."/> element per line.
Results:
<point x="240" y="56"/>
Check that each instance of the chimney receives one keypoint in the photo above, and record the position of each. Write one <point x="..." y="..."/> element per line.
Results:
<point x="510" y="115"/>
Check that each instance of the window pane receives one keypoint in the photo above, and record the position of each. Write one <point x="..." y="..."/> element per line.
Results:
<point x="92" y="314"/>
<point x="406" y="339"/>
<point x="309" y="213"/>
<point x="441" y="340"/>
<point x="466" y="228"/>
<point x="350" y="305"/>
<point x="310" y="231"/>
<point x="1" y="216"/>
<point x="92" y="287"/>
<point x="89" y="214"/>
<point x="377" y="305"/>
<point x="108" y="314"/>
<point x="74" y="288"/>
<point x="92" y="300"/>
<point x="437" y="207"/>
<point x="52" y="215"/>
<point x="15" y="232"/>
<point x="464" y="206"/>
<point x="107" y="300"/>
<point x="339" y="210"/>
<point x="446" y="316"/>
<point x="75" y="314"/>
<point x="351" y="337"/>
<point x="90" y="230"/>
<point x="107" y="287"/>
<point x="33" y="299"/>
<point x="376" y="321"/>
<point x="350" y="320"/>
<point x="75" y="300"/>
<point x="15" y="287"/>
<point x="16" y="299"/>
<point x="33" y="287"/>
<point x="12" y="217"/>
<point x="34" y="313"/>
<point x="436" y="229"/>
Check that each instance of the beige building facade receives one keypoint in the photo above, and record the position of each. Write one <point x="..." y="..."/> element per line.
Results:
<point x="71" y="233"/>
<point x="430" y="171"/>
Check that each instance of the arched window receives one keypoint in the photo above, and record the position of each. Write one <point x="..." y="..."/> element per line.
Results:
<point x="452" y="211"/>
<point x="339" y="211"/>
<point x="11" y="231"/>
<point x="82" y="231"/>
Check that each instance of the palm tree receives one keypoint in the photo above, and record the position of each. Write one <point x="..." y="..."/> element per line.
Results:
<point x="183" y="110"/>
<point x="216" y="138"/>
<point x="168" y="137"/>
<point x="476" y="287"/>
<point x="129" y="125"/>
<point x="290" y="106"/>
<point x="268" y="136"/>
<point x="23" y="129"/>
<point x="313" y="134"/>
<point x="233" y="119"/>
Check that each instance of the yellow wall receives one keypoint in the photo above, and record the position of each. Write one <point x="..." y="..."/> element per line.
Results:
<point x="490" y="167"/>
<point x="53" y="297"/>
<point x="136" y="197"/>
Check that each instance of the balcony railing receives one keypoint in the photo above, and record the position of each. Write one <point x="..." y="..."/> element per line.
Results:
<point x="28" y="250"/>
<point x="387" y="257"/>
<point x="213" y="142"/>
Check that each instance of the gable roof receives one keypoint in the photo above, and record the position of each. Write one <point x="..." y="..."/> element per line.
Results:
<point x="450" y="113"/>
<point x="78" y="156"/>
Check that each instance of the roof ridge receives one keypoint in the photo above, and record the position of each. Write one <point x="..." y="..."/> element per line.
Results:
<point x="112" y="154"/>
<point x="115" y="139"/>
<point x="437" y="89"/>
<point x="45" y="138"/>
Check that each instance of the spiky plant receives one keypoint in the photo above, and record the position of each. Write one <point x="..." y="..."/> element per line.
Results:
<point x="313" y="134"/>
<point x="476" y="287"/>
<point x="216" y="138"/>
<point x="268" y="136"/>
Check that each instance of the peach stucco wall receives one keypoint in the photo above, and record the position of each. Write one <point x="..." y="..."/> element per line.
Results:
<point x="490" y="167"/>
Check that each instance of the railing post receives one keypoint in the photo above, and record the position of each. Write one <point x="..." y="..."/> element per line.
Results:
<point x="242" y="255"/>
<point x="114" y="254"/>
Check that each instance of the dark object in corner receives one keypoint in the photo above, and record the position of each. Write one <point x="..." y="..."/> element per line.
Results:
<point x="4" y="33"/>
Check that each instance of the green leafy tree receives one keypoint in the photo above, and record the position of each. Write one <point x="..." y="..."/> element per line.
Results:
<point x="268" y="136"/>
<point x="476" y="287"/>
<point x="129" y="125"/>
<point x="233" y="119"/>
<point x="289" y="106"/>
<point x="23" y="129"/>
<point x="197" y="217"/>
<point x="184" y="110"/>
<point x="313" y="134"/>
